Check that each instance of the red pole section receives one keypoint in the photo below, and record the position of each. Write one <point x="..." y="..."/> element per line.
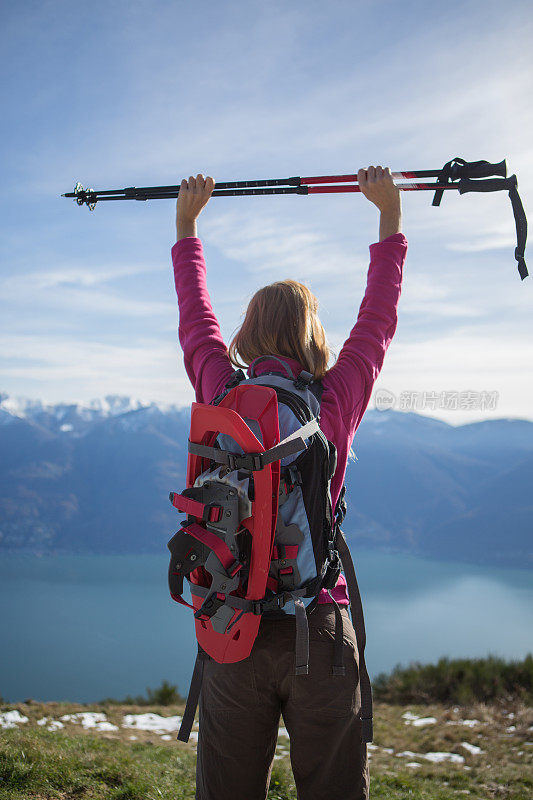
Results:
<point x="348" y="178"/>
<point x="404" y="187"/>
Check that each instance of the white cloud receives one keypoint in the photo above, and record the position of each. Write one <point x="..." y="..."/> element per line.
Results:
<point x="274" y="247"/>
<point x="57" y="369"/>
<point x="278" y="90"/>
<point x="73" y="289"/>
<point x="87" y="276"/>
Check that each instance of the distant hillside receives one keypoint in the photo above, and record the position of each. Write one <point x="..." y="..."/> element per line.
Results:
<point x="96" y="479"/>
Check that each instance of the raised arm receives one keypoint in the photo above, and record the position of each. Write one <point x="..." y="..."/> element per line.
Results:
<point x="205" y="354"/>
<point x="361" y="358"/>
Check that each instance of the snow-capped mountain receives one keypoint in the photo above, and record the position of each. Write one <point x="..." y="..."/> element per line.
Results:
<point x="96" y="477"/>
<point x="73" y="418"/>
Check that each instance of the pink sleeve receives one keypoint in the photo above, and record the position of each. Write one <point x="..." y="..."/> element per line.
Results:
<point x="361" y="358"/>
<point x="205" y="354"/>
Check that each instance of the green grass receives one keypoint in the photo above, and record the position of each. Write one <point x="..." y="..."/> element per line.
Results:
<point x="38" y="764"/>
<point x="74" y="764"/>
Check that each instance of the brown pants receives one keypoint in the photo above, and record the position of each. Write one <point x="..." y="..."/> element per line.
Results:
<point x="240" y="706"/>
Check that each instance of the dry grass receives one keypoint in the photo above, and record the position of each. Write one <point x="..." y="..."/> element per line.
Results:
<point x="503" y="769"/>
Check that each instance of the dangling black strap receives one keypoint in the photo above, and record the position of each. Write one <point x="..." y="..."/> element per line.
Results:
<point x="497" y="185"/>
<point x="467" y="173"/>
<point x="302" y="638"/>
<point x="356" y="608"/>
<point x="338" y="656"/>
<point x="521" y="230"/>
<point x="193" y="697"/>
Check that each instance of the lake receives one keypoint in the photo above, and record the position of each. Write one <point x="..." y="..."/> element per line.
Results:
<point x="82" y="628"/>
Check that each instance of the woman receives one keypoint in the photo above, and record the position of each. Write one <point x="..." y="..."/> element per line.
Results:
<point x="240" y="704"/>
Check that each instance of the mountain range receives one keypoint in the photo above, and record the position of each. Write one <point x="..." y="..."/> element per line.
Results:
<point x="95" y="479"/>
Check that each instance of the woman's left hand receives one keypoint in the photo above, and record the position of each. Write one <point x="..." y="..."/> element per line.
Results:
<point x="193" y="196"/>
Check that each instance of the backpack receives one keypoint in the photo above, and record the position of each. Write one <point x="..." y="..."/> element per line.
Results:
<point x="261" y="537"/>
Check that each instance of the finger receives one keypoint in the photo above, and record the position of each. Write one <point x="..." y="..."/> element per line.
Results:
<point x="361" y="177"/>
<point x="200" y="181"/>
<point x="379" y="172"/>
<point x="209" y="184"/>
<point x="192" y="182"/>
<point x="371" y="174"/>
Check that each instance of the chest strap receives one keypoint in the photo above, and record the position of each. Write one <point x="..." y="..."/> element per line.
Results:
<point x="257" y="461"/>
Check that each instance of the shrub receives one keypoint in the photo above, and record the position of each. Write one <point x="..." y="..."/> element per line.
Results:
<point x="461" y="681"/>
<point x="165" y="695"/>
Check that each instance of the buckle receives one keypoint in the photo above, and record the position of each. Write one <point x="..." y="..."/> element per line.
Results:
<point x="252" y="462"/>
<point x="270" y="604"/>
<point x="210" y="606"/>
<point x="206" y="513"/>
<point x="303" y="380"/>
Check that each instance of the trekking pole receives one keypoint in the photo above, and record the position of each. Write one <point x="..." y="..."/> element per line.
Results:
<point x="456" y="174"/>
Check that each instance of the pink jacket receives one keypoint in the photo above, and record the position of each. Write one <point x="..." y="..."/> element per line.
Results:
<point x="347" y="385"/>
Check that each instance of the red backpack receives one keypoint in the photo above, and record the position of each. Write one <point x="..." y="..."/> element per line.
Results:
<point x="260" y="535"/>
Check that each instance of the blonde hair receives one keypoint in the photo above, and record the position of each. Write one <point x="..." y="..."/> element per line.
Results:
<point x="282" y="320"/>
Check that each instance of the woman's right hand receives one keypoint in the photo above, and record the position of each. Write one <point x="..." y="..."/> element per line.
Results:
<point x="378" y="186"/>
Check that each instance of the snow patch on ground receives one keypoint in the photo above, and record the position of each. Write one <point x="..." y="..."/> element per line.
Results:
<point x="438" y="758"/>
<point x="419" y="722"/>
<point x="10" y="719"/>
<point x="151" y="722"/>
<point x="90" y="720"/>
<point x="472" y="748"/>
<point x="51" y="724"/>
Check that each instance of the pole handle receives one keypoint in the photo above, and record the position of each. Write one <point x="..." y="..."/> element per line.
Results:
<point x="478" y="169"/>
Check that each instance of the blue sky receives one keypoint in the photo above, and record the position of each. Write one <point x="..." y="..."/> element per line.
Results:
<point x="145" y="93"/>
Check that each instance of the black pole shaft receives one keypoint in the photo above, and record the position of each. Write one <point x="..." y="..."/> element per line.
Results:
<point x="87" y="196"/>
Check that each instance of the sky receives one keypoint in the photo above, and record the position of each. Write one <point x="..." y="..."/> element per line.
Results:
<point x="146" y="93"/>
